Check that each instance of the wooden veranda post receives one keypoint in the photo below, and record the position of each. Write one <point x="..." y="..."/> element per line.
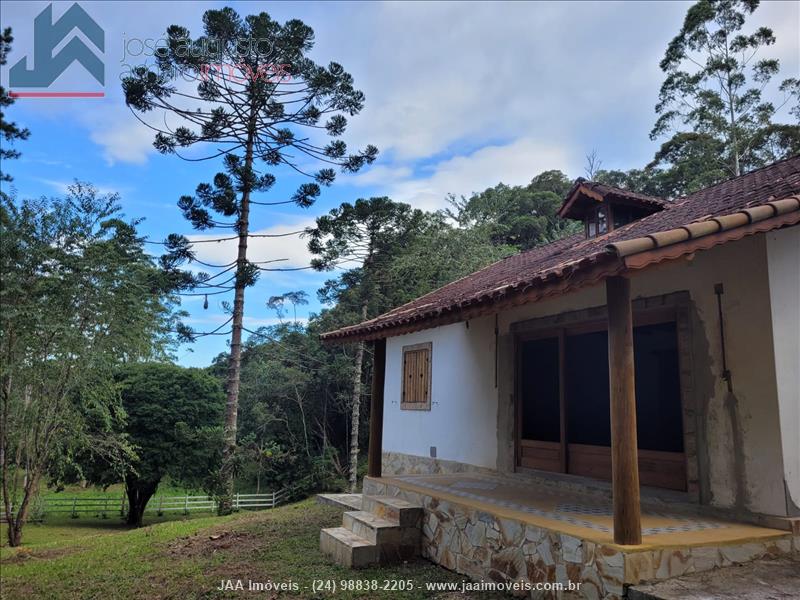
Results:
<point x="376" y="409"/>
<point x="624" y="453"/>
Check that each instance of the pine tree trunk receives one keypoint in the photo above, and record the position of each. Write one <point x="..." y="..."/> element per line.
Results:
<point x="737" y="169"/>
<point x="225" y="495"/>
<point x="356" y="413"/>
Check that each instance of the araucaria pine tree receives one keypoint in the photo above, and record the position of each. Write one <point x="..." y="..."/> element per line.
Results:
<point x="262" y="106"/>
<point x="366" y="233"/>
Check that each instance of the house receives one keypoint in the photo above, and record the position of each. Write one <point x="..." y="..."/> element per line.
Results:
<point x="619" y="406"/>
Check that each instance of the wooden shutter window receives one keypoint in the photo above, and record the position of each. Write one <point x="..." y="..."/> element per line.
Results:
<point x="416" y="377"/>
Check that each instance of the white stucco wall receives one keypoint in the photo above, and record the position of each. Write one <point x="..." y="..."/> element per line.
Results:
<point x="463" y="416"/>
<point x="783" y="259"/>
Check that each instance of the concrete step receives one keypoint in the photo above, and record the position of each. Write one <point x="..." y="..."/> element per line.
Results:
<point x="393" y="509"/>
<point x="372" y="528"/>
<point x="345" y="501"/>
<point x="347" y="549"/>
<point x="394" y="543"/>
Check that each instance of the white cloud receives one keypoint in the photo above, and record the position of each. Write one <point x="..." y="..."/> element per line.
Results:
<point x="439" y="74"/>
<point x="122" y="138"/>
<point x="378" y="175"/>
<point x="440" y="78"/>
<point x="514" y="164"/>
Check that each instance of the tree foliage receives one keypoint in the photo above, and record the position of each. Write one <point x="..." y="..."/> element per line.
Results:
<point x="173" y="421"/>
<point x="519" y="216"/>
<point x="715" y="79"/>
<point x="79" y="295"/>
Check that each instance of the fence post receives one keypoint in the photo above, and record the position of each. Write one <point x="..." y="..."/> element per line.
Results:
<point x="105" y="508"/>
<point x="186" y="504"/>
<point x="122" y="504"/>
<point x="74" y="502"/>
<point x="160" y="505"/>
<point x="273" y="500"/>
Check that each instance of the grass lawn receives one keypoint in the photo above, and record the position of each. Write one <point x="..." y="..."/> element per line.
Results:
<point x="189" y="558"/>
<point x="61" y="526"/>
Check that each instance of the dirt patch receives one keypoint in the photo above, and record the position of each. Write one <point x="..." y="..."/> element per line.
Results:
<point x="209" y="543"/>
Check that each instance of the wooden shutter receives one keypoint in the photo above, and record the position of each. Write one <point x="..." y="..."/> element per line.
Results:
<point x="416" y="377"/>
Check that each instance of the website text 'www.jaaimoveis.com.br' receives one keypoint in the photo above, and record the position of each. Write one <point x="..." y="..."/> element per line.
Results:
<point x="334" y="586"/>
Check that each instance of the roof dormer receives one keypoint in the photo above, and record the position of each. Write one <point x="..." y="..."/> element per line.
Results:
<point x="604" y="208"/>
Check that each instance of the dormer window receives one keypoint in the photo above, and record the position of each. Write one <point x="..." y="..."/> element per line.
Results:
<point x="604" y="208"/>
<point x="597" y="221"/>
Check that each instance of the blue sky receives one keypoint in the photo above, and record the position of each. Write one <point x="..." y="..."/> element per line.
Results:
<point x="459" y="97"/>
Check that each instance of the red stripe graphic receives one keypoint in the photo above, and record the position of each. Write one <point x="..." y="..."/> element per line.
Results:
<point x="56" y="94"/>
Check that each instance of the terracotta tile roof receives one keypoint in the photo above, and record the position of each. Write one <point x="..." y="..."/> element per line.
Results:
<point x="564" y="258"/>
<point x="601" y="191"/>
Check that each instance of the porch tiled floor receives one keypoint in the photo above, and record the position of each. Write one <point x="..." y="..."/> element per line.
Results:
<point x="583" y="516"/>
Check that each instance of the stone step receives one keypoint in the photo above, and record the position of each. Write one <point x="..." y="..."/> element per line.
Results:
<point x="345" y="501"/>
<point x="393" y="509"/>
<point x="372" y="528"/>
<point x="347" y="549"/>
<point x="394" y="543"/>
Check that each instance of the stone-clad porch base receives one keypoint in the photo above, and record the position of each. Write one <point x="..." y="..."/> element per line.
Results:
<point x="495" y="529"/>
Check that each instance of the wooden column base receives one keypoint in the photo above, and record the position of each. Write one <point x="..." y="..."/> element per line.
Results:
<point x="624" y="453"/>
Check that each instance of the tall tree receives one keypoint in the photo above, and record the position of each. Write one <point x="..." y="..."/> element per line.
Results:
<point x="79" y="296"/>
<point x="173" y="419"/>
<point x="263" y="105"/>
<point x="9" y="131"/>
<point x="362" y="233"/>
<point x="715" y="79"/>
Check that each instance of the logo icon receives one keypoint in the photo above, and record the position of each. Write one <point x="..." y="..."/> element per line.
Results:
<point x="47" y="67"/>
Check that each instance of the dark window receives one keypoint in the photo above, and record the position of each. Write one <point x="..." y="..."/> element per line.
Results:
<point x="622" y="215"/>
<point x="540" y="390"/>
<point x="658" y="393"/>
<point x="588" y="406"/>
<point x="658" y="398"/>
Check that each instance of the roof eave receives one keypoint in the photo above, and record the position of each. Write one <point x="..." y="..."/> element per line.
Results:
<point x="582" y="273"/>
<point x="641" y="252"/>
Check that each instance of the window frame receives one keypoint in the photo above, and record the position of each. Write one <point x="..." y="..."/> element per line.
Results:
<point x="593" y="221"/>
<point x="670" y="307"/>
<point x="425" y="405"/>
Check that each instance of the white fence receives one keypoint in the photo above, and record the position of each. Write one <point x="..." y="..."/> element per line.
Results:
<point x="107" y="504"/>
